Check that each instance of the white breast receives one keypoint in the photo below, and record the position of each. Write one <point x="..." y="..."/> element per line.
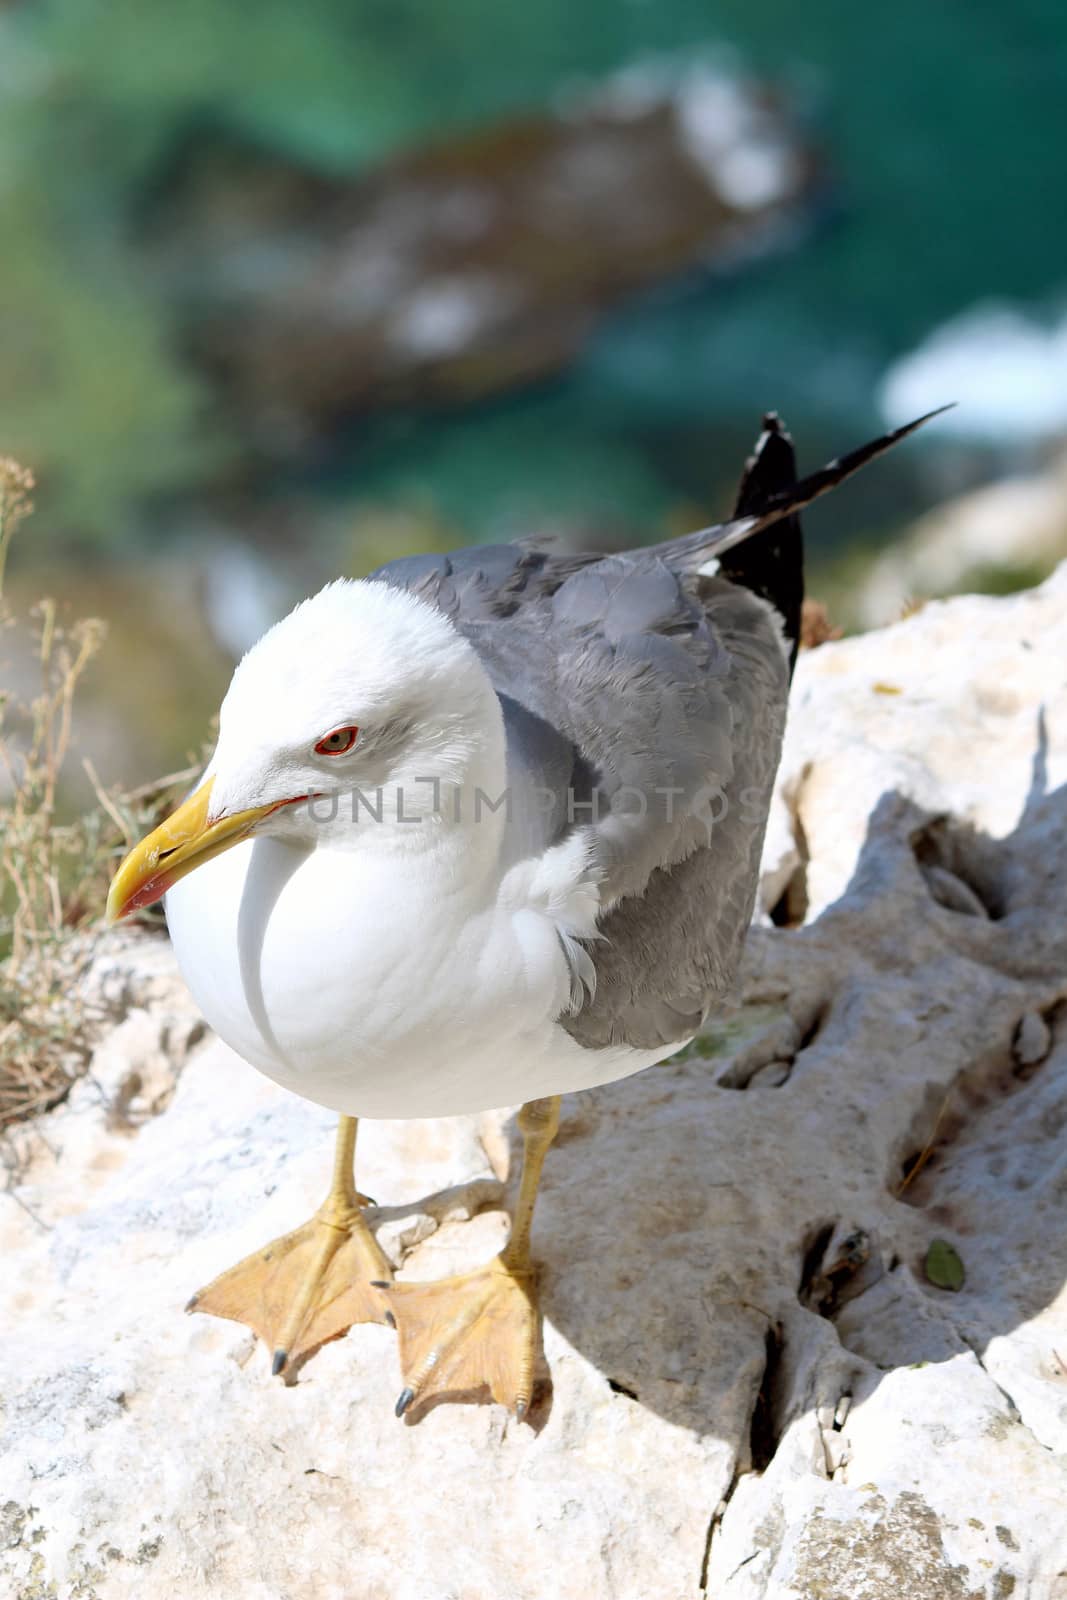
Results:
<point x="378" y="988"/>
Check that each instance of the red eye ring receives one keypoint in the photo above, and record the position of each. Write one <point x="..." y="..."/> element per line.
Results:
<point x="345" y="738"/>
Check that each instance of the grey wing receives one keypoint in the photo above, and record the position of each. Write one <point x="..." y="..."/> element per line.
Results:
<point x="647" y="703"/>
<point x="673" y="939"/>
<point x="645" y="706"/>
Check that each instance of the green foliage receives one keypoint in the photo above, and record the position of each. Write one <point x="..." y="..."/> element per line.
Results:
<point x="87" y="383"/>
<point x="1005" y="578"/>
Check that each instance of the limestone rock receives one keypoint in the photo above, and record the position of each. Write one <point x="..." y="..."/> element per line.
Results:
<point x="962" y="707"/>
<point x="757" y="1391"/>
<point x="1016" y="526"/>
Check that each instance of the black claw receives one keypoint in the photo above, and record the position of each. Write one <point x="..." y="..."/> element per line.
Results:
<point x="405" y="1398"/>
<point x="190" y="1304"/>
<point x="521" y="1410"/>
<point x="376" y="1283"/>
<point x="390" y="1319"/>
<point x="278" y="1364"/>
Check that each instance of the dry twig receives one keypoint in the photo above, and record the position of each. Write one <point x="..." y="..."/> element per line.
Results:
<point x="53" y="870"/>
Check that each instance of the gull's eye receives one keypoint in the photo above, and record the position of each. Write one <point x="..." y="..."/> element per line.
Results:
<point x="337" y="743"/>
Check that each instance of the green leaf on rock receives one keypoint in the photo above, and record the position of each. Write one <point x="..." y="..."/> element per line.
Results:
<point x="944" y="1269"/>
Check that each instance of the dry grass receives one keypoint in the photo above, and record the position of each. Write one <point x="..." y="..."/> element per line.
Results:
<point x="815" y="625"/>
<point x="53" y="870"/>
<point x="43" y="864"/>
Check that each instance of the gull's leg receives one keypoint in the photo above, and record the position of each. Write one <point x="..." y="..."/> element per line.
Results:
<point x="482" y="1329"/>
<point x="312" y="1285"/>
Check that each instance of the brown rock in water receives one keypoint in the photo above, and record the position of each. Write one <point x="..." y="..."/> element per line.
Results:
<point x="471" y="265"/>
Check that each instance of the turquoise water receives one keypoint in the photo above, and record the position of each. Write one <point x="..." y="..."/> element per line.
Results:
<point x="945" y="124"/>
<point x="946" y="128"/>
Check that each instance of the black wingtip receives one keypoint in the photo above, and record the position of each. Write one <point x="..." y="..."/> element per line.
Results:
<point x="842" y="467"/>
<point x="762" y="513"/>
<point x="771" y="564"/>
<point x="773" y="427"/>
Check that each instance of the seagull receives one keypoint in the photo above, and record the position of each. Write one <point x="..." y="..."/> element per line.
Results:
<point x="480" y="830"/>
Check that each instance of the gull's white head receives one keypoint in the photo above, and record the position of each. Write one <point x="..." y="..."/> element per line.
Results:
<point x="361" y="690"/>
<point x="361" y="685"/>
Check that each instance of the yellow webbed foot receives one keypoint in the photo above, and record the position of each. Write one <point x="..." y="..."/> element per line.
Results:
<point x="304" y="1289"/>
<point x="464" y="1335"/>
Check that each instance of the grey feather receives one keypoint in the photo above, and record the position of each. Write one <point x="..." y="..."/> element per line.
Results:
<point x="623" y="681"/>
<point x="648" y="704"/>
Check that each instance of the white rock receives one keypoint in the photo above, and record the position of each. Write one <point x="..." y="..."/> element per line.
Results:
<point x="956" y="707"/>
<point x="1016" y="523"/>
<point x="757" y="1391"/>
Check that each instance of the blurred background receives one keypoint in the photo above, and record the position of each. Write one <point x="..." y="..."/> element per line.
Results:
<point x="287" y="290"/>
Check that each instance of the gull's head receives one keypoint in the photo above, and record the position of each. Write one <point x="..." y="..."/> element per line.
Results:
<point x="363" y="689"/>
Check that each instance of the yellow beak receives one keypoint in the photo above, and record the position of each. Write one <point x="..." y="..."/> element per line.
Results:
<point x="186" y="840"/>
